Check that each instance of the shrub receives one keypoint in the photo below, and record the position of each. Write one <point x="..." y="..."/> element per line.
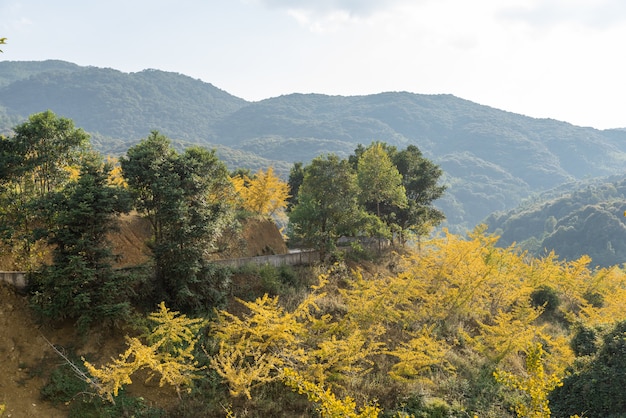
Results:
<point x="584" y="342"/>
<point x="595" y="388"/>
<point x="65" y="386"/>
<point x="595" y="299"/>
<point x="546" y="297"/>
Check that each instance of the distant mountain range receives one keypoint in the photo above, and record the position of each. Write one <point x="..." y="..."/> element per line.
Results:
<point x="492" y="159"/>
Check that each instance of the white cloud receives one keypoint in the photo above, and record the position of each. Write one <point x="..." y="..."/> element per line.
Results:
<point x="322" y="7"/>
<point x="599" y="14"/>
<point x="331" y="15"/>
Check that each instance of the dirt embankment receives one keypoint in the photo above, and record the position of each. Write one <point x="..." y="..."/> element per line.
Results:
<point x="23" y="353"/>
<point x="255" y="237"/>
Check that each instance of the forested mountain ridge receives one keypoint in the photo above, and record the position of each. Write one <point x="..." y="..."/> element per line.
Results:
<point x="492" y="159"/>
<point x="585" y="218"/>
<point x="122" y="105"/>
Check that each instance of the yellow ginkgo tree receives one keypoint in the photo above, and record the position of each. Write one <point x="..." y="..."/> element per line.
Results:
<point x="168" y="351"/>
<point x="264" y="193"/>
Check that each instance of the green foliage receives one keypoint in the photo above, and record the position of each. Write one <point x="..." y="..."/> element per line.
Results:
<point x="256" y="279"/>
<point x="379" y="180"/>
<point x="420" y="177"/>
<point x="65" y="387"/>
<point x="11" y="71"/>
<point x="185" y="197"/>
<point x="418" y="407"/>
<point x="125" y="406"/>
<point x="327" y="204"/>
<point x="270" y="279"/>
<point x="63" y="384"/>
<point x="37" y="160"/>
<point x="364" y="195"/>
<point x="595" y="388"/>
<point x="80" y="283"/>
<point x="296" y="177"/>
<point x="413" y="215"/>
<point x="585" y="341"/>
<point x="121" y="100"/>
<point x="545" y="297"/>
<point x="584" y="218"/>
<point x="43" y="148"/>
<point x="493" y="160"/>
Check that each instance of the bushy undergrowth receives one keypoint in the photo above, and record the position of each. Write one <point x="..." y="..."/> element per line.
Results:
<point x="251" y="280"/>
<point x="429" y="337"/>
<point x="595" y="386"/>
<point x="64" y="386"/>
<point x="460" y="329"/>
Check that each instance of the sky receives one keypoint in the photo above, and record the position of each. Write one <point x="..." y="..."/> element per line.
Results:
<point x="558" y="59"/>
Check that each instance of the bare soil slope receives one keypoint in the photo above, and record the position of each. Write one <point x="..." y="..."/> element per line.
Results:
<point x="256" y="237"/>
<point x="23" y="353"/>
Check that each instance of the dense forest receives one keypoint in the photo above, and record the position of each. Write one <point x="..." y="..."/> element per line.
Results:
<point x="453" y="327"/>
<point x="584" y="218"/>
<point x="492" y="159"/>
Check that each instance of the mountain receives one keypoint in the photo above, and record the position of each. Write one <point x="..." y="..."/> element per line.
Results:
<point x="583" y="218"/>
<point x="119" y="105"/>
<point x="492" y="159"/>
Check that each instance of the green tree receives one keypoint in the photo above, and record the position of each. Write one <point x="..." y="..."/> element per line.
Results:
<point x="296" y="176"/>
<point x="380" y="183"/>
<point x="44" y="148"/>
<point x="327" y="207"/>
<point x="38" y="159"/>
<point x="181" y="194"/>
<point x="148" y="170"/>
<point x="420" y="178"/>
<point x="81" y="283"/>
<point x="2" y="42"/>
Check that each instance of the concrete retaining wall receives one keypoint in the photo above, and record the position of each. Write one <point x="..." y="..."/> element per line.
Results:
<point x="14" y="278"/>
<point x="17" y="279"/>
<point x="291" y="259"/>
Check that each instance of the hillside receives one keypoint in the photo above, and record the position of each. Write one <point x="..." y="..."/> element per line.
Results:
<point x="123" y="106"/>
<point x="492" y="159"/>
<point x="26" y="356"/>
<point x="372" y="303"/>
<point x="584" y="218"/>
